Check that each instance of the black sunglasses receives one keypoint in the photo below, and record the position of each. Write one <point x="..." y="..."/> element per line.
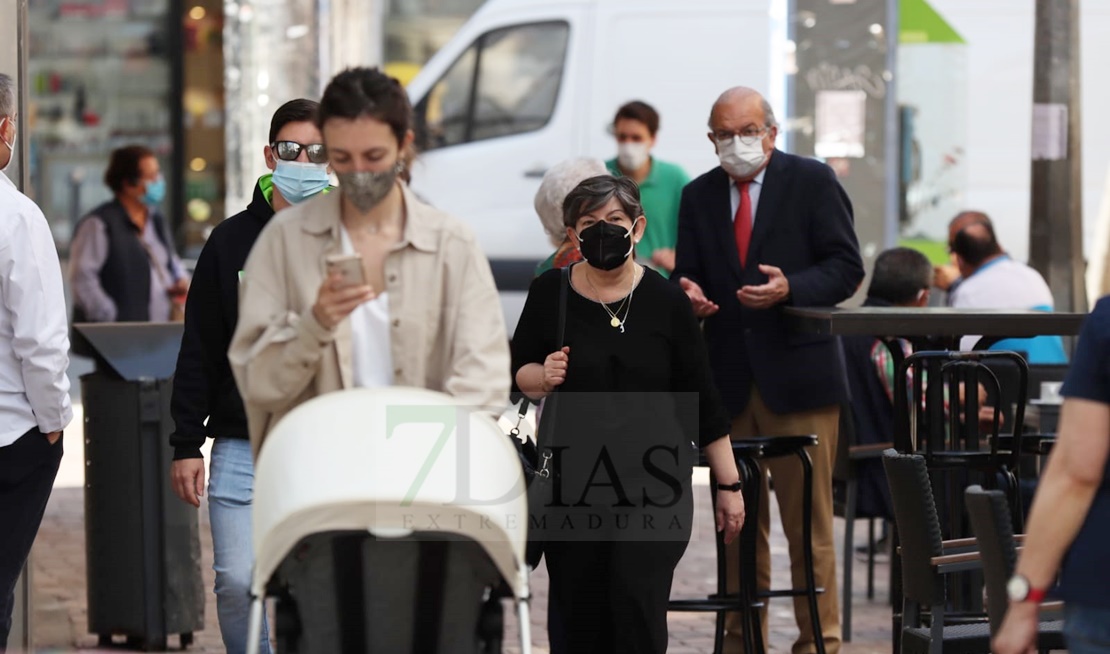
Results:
<point x="290" y="150"/>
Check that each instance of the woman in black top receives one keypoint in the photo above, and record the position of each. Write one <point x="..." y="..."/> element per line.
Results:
<point x="635" y="400"/>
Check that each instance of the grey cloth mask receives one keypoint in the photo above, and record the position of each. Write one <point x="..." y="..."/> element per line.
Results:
<point x="366" y="188"/>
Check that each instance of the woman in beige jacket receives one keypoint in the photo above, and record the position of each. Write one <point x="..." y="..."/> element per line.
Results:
<point x="428" y="313"/>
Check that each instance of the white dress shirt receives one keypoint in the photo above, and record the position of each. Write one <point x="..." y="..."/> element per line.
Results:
<point x="34" y="340"/>
<point x="754" y="189"/>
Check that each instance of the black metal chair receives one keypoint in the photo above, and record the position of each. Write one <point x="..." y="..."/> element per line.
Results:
<point x="926" y="560"/>
<point x="850" y="454"/>
<point x="991" y="522"/>
<point x="947" y="431"/>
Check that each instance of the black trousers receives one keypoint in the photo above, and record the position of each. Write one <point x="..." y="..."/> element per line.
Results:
<point x="27" y="471"/>
<point x="610" y="596"/>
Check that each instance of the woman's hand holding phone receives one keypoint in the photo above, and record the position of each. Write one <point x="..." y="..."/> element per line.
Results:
<point x="342" y="291"/>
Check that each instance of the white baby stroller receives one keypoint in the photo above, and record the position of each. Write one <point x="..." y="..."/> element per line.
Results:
<point x="389" y="520"/>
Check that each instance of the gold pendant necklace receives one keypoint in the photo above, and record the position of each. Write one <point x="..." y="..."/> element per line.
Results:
<point x="626" y="304"/>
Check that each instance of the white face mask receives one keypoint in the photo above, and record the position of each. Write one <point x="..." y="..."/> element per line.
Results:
<point x="738" y="159"/>
<point x="631" y="156"/>
<point x="11" y="146"/>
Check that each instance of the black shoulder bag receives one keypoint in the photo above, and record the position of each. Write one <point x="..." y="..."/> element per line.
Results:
<point x="539" y="479"/>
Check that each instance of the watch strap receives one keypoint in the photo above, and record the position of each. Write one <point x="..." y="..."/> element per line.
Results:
<point x="1036" y="595"/>
<point x="736" y="487"/>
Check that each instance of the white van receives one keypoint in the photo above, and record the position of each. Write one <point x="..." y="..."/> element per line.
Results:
<point x="528" y="83"/>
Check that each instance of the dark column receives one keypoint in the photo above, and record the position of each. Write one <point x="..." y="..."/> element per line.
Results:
<point x="1056" y="209"/>
<point x="843" y="106"/>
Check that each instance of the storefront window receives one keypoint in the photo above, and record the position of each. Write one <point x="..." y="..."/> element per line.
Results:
<point x="100" y="77"/>
<point x="203" y="117"/>
<point x="272" y="55"/>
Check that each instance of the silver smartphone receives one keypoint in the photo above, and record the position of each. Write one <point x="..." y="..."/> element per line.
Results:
<point x="349" y="267"/>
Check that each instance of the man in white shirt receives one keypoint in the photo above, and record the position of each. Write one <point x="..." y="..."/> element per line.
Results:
<point x="990" y="279"/>
<point x="34" y="355"/>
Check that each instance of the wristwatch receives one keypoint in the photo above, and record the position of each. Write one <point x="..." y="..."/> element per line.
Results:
<point x="737" y="487"/>
<point x="1020" y="590"/>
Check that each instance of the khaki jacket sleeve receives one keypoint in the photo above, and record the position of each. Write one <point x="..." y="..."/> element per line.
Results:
<point x="478" y="372"/>
<point x="276" y="351"/>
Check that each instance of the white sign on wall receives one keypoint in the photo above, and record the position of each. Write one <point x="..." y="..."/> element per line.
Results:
<point x="840" y="123"/>
<point x="1050" y="132"/>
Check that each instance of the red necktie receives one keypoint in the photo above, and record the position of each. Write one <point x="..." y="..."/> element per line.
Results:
<point x="743" y="223"/>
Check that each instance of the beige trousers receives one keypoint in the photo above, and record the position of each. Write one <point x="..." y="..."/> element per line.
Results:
<point x="757" y="421"/>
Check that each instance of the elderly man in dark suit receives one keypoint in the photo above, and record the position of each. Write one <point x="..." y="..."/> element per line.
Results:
<point x="766" y="230"/>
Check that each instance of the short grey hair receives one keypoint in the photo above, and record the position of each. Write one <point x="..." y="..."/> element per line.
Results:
<point x="768" y="113"/>
<point x="595" y="192"/>
<point x="7" y="96"/>
<point x="557" y="182"/>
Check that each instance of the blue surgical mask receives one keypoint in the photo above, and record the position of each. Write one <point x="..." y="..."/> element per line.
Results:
<point x="155" y="191"/>
<point x="299" y="180"/>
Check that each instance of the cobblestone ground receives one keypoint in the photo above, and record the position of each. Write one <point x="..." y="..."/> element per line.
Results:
<point x="60" y="622"/>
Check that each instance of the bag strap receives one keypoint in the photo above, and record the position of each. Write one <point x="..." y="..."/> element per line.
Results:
<point x="560" y="337"/>
<point x="550" y="405"/>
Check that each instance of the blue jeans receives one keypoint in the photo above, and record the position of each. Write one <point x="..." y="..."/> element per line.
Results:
<point x="1086" y="629"/>
<point x="230" y="488"/>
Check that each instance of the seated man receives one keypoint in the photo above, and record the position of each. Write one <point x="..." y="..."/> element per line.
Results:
<point x="901" y="278"/>
<point x="990" y="279"/>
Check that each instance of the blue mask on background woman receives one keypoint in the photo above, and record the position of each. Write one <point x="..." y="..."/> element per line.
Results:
<point x="299" y="180"/>
<point x="155" y="191"/>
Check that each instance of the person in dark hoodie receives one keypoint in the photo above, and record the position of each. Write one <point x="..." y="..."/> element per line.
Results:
<point x="204" y="388"/>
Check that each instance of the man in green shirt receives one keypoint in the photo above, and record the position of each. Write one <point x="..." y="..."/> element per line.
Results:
<point x="635" y="127"/>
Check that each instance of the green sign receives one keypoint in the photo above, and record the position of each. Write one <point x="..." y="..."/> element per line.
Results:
<point x="920" y="23"/>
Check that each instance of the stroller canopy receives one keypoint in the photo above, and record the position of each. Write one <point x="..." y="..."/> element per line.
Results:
<point x="395" y="461"/>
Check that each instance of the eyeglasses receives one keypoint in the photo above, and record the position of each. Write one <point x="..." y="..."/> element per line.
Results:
<point x="290" y="150"/>
<point x="747" y="137"/>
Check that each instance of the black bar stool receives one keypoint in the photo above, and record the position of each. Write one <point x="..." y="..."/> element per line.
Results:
<point x="745" y="602"/>
<point x="779" y="446"/>
<point x="749" y="600"/>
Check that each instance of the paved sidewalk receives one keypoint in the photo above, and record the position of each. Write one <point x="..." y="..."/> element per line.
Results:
<point x="60" y="621"/>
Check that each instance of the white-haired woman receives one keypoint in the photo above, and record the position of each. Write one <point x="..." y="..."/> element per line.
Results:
<point x="557" y="182"/>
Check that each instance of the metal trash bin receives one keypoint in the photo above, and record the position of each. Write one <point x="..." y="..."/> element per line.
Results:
<point x="142" y="542"/>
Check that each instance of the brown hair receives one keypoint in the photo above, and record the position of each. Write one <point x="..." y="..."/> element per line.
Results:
<point x="358" y="92"/>
<point x="123" y="166"/>
<point x="300" y="110"/>
<point x="640" y="111"/>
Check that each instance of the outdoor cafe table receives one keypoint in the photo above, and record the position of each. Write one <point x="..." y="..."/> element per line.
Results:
<point x="929" y="329"/>
<point x="940" y="327"/>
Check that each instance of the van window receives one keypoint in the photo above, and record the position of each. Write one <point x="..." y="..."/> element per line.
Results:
<point x="446" y="108"/>
<point x="506" y="83"/>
